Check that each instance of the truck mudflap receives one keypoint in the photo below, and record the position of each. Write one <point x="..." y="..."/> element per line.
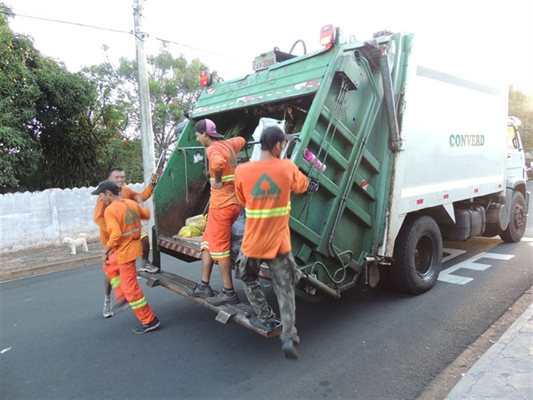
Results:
<point x="239" y="313"/>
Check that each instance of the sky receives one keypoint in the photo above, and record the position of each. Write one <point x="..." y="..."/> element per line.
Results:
<point x="489" y="38"/>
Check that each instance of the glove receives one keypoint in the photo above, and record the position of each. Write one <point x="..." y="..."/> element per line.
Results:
<point x="313" y="186"/>
<point x="153" y="180"/>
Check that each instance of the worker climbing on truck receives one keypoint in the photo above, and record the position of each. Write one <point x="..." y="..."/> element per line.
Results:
<point x="263" y="188"/>
<point x="223" y="211"/>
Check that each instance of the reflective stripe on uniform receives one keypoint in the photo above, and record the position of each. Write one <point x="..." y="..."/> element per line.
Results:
<point x="139" y="303"/>
<point x="115" y="282"/>
<point x="226" y="178"/>
<point x="268" y="212"/>
<point x="219" y="255"/>
<point x="131" y="232"/>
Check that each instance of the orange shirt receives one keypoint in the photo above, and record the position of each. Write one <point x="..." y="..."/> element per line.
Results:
<point x="263" y="189"/>
<point x="125" y="193"/>
<point x="222" y="156"/>
<point x="123" y="221"/>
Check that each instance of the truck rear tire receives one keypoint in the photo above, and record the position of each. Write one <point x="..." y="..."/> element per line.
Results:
<point x="417" y="255"/>
<point x="517" y="219"/>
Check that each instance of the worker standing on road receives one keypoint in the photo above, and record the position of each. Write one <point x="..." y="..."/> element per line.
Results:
<point x="118" y="176"/>
<point x="123" y="221"/>
<point x="223" y="211"/>
<point x="263" y="188"/>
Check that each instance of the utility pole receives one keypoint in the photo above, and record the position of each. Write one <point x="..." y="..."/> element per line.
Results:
<point x="147" y="135"/>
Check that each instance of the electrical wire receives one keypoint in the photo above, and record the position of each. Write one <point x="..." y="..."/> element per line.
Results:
<point x="120" y="31"/>
<point x="66" y="22"/>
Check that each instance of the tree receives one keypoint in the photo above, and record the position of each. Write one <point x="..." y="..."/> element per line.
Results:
<point x="68" y="145"/>
<point x="174" y="90"/>
<point x="45" y="137"/>
<point x="60" y="129"/>
<point x="19" y="153"/>
<point x="115" y="117"/>
<point x="521" y="106"/>
<point x="110" y="121"/>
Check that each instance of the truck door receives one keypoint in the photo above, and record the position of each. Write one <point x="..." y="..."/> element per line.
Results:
<point x="516" y="166"/>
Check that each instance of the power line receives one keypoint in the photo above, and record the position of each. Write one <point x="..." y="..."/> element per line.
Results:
<point x="121" y="31"/>
<point x="204" y="51"/>
<point x="66" y="22"/>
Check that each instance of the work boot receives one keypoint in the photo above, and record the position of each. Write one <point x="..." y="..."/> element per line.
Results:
<point x="146" y="266"/>
<point x="289" y="349"/>
<point x="147" y="327"/>
<point x="108" y="308"/>
<point x="223" y="298"/>
<point x="202" y="293"/>
<point x="269" y="326"/>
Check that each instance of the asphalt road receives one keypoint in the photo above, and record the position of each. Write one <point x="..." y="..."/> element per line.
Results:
<point x="370" y="344"/>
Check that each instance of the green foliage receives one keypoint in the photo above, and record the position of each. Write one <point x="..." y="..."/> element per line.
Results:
<point x="115" y="117"/>
<point x="108" y="117"/>
<point x="19" y="153"/>
<point x="68" y="146"/>
<point x="521" y="106"/>
<point x="174" y="90"/>
<point x="59" y="129"/>
<point x="45" y="137"/>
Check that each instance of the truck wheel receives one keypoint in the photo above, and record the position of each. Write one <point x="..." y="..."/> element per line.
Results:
<point x="517" y="219"/>
<point x="417" y="256"/>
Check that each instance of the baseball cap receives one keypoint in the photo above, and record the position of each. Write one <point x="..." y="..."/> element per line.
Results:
<point x="209" y="127"/>
<point x="106" y="185"/>
<point x="272" y="135"/>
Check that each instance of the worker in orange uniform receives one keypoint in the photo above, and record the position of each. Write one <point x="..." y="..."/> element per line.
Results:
<point x="123" y="221"/>
<point x="223" y="212"/>
<point x="263" y="188"/>
<point x="118" y="176"/>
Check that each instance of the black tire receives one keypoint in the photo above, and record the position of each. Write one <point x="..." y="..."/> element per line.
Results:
<point x="417" y="255"/>
<point x="517" y="219"/>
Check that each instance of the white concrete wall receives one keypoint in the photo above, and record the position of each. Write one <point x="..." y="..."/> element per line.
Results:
<point x="37" y="219"/>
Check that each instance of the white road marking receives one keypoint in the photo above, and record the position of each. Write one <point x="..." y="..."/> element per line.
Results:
<point x="452" y="254"/>
<point x="447" y="276"/>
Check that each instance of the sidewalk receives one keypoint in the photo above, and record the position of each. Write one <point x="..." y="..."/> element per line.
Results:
<point x="21" y="264"/>
<point x="505" y="371"/>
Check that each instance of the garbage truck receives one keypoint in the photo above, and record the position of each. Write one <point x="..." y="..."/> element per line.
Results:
<point x="407" y="156"/>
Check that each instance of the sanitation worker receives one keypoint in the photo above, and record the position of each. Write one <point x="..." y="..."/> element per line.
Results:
<point x="263" y="188"/>
<point x="223" y="211"/>
<point x="118" y="176"/>
<point x="123" y="222"/>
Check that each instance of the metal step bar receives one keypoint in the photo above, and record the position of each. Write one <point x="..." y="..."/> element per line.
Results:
<point x="239" y="313"/>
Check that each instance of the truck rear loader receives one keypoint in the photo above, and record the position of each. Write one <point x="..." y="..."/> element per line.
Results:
<point x="411" y="156"/>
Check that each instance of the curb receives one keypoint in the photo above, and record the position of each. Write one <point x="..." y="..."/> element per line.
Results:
<point x="47" y="268"/>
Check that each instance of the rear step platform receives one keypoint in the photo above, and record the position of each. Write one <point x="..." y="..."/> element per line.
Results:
<point x="239" y="313"/>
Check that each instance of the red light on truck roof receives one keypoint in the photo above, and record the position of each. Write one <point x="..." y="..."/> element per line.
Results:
<point x="327" y="36"/>
<point x="205" y="78"/>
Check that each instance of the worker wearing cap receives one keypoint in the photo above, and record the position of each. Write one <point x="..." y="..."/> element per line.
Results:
<point x="223" y="211"/>
<point x="118" y="176"/>
<point x="123" y="222"/>
<point x="263" y="188"/>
